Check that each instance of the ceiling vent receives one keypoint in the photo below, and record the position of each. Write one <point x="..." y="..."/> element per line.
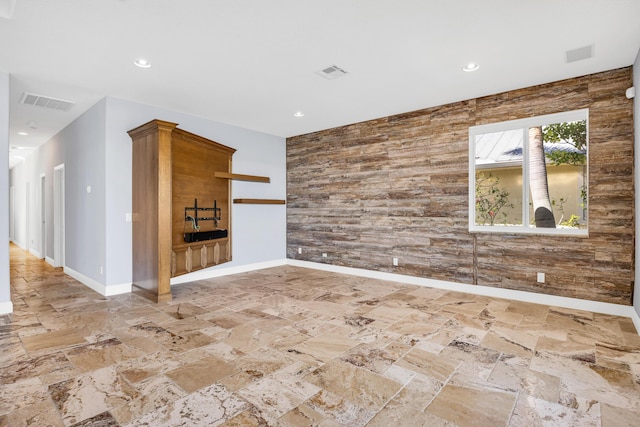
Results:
<point x="46" y="102"/>
<point x="579" y="54"/>
<point x="332" y="72"/>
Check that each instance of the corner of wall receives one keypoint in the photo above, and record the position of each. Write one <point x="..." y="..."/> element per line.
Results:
<point x="5" y="292"/>
<point x="636" y="121"/>
<point x="122" y="288"/>
<point x="6" y="308"/>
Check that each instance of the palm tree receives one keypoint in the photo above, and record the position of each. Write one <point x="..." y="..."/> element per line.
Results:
<point x="539" y="187"/>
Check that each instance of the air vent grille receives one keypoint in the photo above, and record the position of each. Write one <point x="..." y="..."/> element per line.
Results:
<point x="579" y="54"/>
<point x="332" y="72"/>
<point x="46" y="102"/>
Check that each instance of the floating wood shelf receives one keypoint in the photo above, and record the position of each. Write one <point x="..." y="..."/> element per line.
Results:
<point x="260" y="201"/>
<point x="240" y="177"/>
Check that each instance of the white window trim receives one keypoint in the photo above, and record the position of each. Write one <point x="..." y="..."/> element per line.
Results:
<point x="526" y="123"/>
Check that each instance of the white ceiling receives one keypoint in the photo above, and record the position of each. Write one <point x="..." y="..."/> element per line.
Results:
<point x="252" y="63"/>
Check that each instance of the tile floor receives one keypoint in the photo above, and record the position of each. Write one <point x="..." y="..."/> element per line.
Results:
<point x="289" y="346"/>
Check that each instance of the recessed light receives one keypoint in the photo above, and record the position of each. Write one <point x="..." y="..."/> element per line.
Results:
<point x="142" y="63"/>
<point x="23" y="133"/>
<point x="471" y="66"/>
<point x="298" y="114"/>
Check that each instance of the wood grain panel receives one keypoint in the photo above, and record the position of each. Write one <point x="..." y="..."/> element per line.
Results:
<point x="241" y="177"/>
<point x="195" y="256"/>
<point x="152" y="210"/>
<point x="195" y="161"/>
<point x="398" y="187"/>
<point x="171" y="169"/>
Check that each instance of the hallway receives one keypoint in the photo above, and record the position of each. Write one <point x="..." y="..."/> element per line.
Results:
<point x="289" y="346"/>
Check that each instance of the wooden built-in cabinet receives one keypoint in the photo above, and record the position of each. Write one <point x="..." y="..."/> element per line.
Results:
<point x="173" y="168"/>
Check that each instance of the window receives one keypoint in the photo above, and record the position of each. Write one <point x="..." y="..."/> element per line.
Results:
<point x="530" y="175"/>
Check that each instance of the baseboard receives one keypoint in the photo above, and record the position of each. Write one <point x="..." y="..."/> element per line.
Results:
<point x="18" y="244"/>
<point x="6" y="307"/>
<point x="636" y="319"/>
<point x="50" y="261"/>
<point x="122" y="288"/>
<point x="87" y="281"/>
<point x="210" y="273"/>
<point x="100" y="288"/>
<point x="552" y="300"/>
<point x="35" y="253"/>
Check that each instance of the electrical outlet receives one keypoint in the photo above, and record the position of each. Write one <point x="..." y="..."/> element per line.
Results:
<point x="395" y="262"/>
<point x="324" y="254"/>
<point x="101" y="270"/>
<point x="299" y="250"/>
<point x="540" y="277"/>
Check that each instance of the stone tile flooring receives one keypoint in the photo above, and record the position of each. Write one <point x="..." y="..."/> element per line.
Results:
<point x="289" y="346"/>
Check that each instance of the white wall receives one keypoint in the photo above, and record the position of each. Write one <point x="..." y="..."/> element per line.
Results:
<point x="5" y="296"/>
<point x="18" y="178"/>
<point x="84" y="166"/>
<point x="49" y="156"/>
<point x="17" y="175"/>
<point x="96" y="152"/>
<point x="636" y="119"/>
<point x="83" y="142"/>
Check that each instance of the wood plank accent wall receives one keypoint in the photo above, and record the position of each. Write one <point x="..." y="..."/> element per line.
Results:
<point x="398" y="187"/>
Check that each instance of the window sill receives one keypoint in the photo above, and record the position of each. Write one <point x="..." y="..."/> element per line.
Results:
<point x="501" y="229"/>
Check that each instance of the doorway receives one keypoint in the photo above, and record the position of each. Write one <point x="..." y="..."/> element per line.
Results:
<point x="12" y="213"/>
<point x="27" y="205"/>
<point x="43" y="215"/>
<point x="58" y="216"/>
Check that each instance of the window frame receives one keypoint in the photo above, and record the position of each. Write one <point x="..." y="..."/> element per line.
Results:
<point x="524" y="125"/>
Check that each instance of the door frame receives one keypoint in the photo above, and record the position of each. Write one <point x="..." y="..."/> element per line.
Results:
<point x="58" y="216"/>
<point x="12" y="213"/>
<point x="43" y="216"/>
